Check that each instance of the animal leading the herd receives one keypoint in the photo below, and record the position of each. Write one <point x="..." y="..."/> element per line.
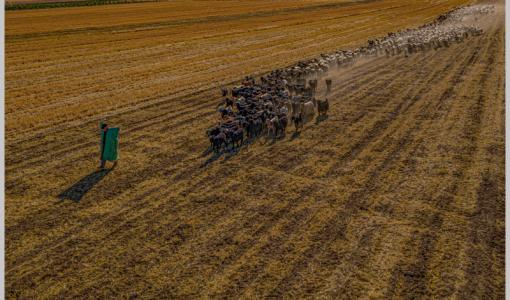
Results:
<point x="265" y="107"/>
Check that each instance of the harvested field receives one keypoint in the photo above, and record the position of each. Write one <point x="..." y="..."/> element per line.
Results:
<point x="399" y="193"/>
<point x="76" y="64"/>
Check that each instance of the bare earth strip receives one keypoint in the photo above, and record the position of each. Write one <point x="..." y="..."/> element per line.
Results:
<point x="398" y="194"/>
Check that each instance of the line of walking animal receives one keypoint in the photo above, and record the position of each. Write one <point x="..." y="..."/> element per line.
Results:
<point x="265" y="107"/>
<point x="454" y="26"/>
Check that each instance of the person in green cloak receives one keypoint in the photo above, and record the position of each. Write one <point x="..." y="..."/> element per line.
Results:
<point x="109" y="145"/>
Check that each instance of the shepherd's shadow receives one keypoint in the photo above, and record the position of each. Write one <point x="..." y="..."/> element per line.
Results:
<point x="80" y="188"/>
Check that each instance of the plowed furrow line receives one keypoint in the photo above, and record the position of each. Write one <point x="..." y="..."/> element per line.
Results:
<point x="488" y="243"/>
<point x="415" y="275"/>
<point x="383" y="124"/>
<point x="21" y="259"/>
<point x="254" y="228"/>
<point x="359" y="261"/>
<point x="486" y="233"/>
<point x="428" y="240"/>
<point x="46" y="214"/>
<point x="335" y="227"/>
<point x="294" y="217"/>
<point x="249" y="271"/>
<point x="121" y="215"/>
<point x="354" y="204"/>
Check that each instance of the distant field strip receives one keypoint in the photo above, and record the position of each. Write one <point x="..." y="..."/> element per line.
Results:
<point x="207" y="19"/>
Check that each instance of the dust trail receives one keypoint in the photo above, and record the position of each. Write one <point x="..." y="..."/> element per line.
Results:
<point x="454" y="26"/>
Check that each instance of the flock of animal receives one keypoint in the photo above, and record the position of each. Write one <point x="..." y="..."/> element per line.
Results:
<point x="454" y="26"/>
<point x="265" y="107"/>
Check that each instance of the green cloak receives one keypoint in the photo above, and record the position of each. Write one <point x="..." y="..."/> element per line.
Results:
<point x="110" y="151"/>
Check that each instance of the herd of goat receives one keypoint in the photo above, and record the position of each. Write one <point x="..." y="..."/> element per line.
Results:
<point x="285" y="95"/>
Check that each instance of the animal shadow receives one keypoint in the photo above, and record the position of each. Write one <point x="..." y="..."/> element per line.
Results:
<point x="320" y="119"/>
<point x="232" y="152"/>
<point x="207" y="152"/>
<point x="295" y="135"/>
<point x="80" y="188"/>
<point x="271" y="141"/>
<point x="214" y="157"/>
<point x="226" y="153"/>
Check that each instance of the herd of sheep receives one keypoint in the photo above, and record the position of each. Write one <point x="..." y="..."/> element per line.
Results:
<point x="265" y="107"/>
<point x="451" y="27"/>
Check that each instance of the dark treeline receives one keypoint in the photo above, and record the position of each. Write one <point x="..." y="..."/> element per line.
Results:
<point x="19" y="6"/>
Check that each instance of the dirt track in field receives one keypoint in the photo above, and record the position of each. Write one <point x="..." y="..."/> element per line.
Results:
<point x="398" y="193"/>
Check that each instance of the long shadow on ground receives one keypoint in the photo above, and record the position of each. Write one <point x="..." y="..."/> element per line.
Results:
<point x="226" y="153"/>
<point x="295" y="135"/>
<point x="215" y="156"/>
<point x="320" y="119"/>
<point x="80" y="188"/>
<point x="231" y="152"/>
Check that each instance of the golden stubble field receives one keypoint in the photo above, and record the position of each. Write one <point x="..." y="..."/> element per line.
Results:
<point x="398" y="194"/>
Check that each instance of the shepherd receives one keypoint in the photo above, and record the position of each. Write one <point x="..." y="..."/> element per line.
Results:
<point x="109" y="145"/>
